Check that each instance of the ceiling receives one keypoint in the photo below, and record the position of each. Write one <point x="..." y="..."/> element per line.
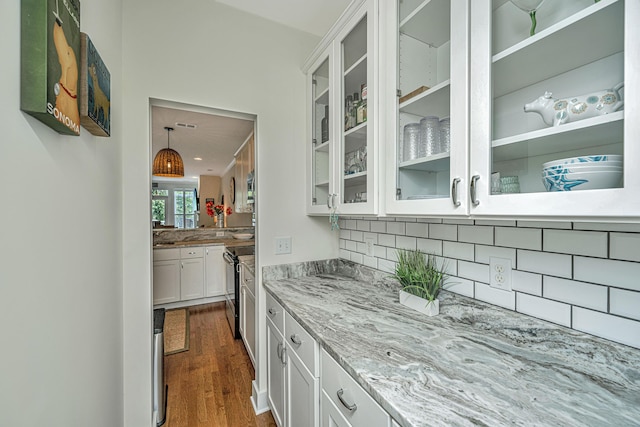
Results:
<point x="217" y="137"/>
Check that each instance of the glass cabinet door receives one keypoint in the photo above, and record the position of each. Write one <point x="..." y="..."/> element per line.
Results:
<point x="430" y="108"/>
<point x="321" y="136"/>
<point x="550" y="128"/>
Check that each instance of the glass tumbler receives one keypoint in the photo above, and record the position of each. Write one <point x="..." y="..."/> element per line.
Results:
<point x="410" y="140"/>
<point x="445" y="135"/>
<point x="429" y="136"/>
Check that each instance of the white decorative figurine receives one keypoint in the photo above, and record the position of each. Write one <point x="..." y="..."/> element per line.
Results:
<point x="555" y="112"/>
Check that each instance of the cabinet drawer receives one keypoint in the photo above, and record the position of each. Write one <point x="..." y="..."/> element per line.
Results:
<point x="303" y="344"/>
<point x="344" y="391"/>
<point x="166" y="254"/>
<point x="275" y="313"/>
<point x="191" y="252"/>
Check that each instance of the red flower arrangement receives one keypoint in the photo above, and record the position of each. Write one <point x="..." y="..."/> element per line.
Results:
<point x="217" y="209"/>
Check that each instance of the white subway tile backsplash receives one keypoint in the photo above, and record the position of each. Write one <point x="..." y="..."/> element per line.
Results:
<point x="529" y="283"/>
<point x="405" y="242"/>
<point x="486" y="293"/>
<point x="619" y="274"/>
<point x="460" y="286"/>
<point x="378" y="226"/>
<point x="357" y="236"/>
<point x="576" y="293"/>
<point x="386" y="218"/>
<point x="614" y="328"/>
<point x="351" y="246"/>
<point x="449" y="266"/>
<point x="430" y="246"/>
<point x="342" y="244"/>
<point x="416" y="229"/>
<point x="464" y="251"/>
<point x="344" y="254"/>
<point x="430" y="220"/>
<point x="387" y="240"/>
<point x="483" y="253"/>
<point x="361" y="248"/>
<point x="544" y="263"/>
<point x="386" y="265"/>
<point x="397" y="228"/>
<point x="545" y="224"/>
<point x="457" y="221"/>
<point x="521" y="238"/>
<point x="475" y="234"/>
<point x="379" y="251"/>
<point x="373" y="236"/>
<point x="496" y="222"/>
<point x="350" y="224"/>
<point x="392" y="254"/>
<point x="624" y="246"/>
<point x="371" y="261"/>
<point x="545" y="309"/>
<point x="357" y="258"/>
<point x="624" y="303"/>
<point x="590" y="243"/>
<point x="635" y="228"/>
<point x="443" y="231"/>
<point x="473" y="271"/>
<point x="345" y="234"/>
<point x="363" y="225"/>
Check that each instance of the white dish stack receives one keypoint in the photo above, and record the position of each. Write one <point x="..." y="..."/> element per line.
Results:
<point x="583" y="173"/>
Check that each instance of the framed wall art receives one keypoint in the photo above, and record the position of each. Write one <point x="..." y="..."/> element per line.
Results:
<point x="95" y="90"/>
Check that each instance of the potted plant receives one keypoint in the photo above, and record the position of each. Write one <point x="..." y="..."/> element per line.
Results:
<point x="421" y="279"/>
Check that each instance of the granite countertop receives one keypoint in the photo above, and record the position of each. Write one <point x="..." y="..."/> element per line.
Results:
<point x="230" y="243"/>
<point x="249" y="261"/>
<point x="474" y="364"/>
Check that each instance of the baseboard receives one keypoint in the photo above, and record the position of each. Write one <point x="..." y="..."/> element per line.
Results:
<point x="259" y="399"/>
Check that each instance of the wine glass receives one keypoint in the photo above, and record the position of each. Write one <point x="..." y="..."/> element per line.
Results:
<point x="529" y="6"/>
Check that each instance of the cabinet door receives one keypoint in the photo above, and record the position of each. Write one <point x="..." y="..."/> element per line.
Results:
<point x="570" y="79"/>
<point x="426" y="97"/>
<point x="357" y="164"/>
<point x="243" y="292"/>
<point x="249" y="335"/>
<point x="215" y="271"/>
<point x="275" y="373"/>
<point x="191" y="278"/>
<point x="166" y="281"/>
<point x="302" y="393"/>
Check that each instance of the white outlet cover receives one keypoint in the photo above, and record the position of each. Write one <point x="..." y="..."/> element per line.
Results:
<point x="500" y="273"/>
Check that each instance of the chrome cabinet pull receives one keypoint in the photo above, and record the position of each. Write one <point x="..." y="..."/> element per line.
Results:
<point x="473" y="190"/>
<point x="283" y="358"/>
<point x="329" y="201"/>
<point x="454" y="192"/>
<point x="333" y="199"/>
<point x="192" y="253"/>
<point x="350" y="407"/>
<point x="295" y="339"/>
<point x="272" y="311"/>
<point x="280" y="351"/>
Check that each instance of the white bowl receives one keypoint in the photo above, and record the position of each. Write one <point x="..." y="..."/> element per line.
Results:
<point x="579" y="169"/>
<point x="601" y="159"/>
<point x="242" y="236"/>
<point x="582" y="180"/>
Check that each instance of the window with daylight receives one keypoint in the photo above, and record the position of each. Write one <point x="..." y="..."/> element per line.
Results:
<point x="184" y="203"/>
<point x="159" y="205"/>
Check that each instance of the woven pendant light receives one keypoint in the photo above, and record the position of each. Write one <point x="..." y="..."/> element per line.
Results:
<point x="168" y="162"/>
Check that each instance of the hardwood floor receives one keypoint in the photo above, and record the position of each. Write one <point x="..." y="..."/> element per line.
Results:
<point x="210" y="384"/>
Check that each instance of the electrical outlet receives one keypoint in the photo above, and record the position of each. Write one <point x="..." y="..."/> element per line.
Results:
<point x="369" y="242"/>
<point x="500" y="273"/>
<point x="219" y="233"/>
<point x="283" y="245"/>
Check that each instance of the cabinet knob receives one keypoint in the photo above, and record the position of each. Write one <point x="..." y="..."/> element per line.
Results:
<point x="350" y="406"/>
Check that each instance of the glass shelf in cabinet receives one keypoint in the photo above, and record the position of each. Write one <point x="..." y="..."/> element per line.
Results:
<point x="323" y="147"/>
<point x="564" y="46"/>
<point x="436" y="163"/>
<point x="429" y="22"/>
<point x="433" y="102"/>
<point x="323" y="97"/>
<point x="355" y="178"/>
<point x="357" y="132"/>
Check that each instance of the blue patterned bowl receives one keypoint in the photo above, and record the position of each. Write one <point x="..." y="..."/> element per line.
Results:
<point x="573" y="181"/>
<point x="599" y="159"/>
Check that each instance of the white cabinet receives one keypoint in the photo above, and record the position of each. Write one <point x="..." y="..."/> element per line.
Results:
<point x="166" y="281"/>
<point x="342" y="162"/>
<point x="248" y="310"/>
<point x="245" y="165"/>
<point x="293" y="370"/>
<point x="191" y="273"/>
<point x="569" y="59"/>
<point x="214" y="271"/>
<point x="426" y="104"/>
<point x="178" y="274"/>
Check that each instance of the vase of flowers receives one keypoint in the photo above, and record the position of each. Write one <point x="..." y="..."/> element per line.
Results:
<point x="217" y="212"/>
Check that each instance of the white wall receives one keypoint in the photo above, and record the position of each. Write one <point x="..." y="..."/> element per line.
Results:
<point x="203" y="53"/>
<point x="61" y="250"/>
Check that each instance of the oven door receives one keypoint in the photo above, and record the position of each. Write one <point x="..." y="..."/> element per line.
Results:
<point x="230" y="266"/>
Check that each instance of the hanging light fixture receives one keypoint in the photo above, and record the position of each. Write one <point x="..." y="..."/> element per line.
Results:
<point x="168" y="162"/>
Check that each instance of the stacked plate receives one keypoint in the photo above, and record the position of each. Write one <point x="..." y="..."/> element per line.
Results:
<point x="583" y="173"/>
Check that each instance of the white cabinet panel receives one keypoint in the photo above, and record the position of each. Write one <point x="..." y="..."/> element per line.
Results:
<point x="215" y="271"/>
<point x="166" y="281"/>
<point x="275" y="373"/>
<point x="191" y="278"/>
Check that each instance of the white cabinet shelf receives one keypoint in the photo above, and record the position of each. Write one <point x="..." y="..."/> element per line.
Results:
<point x="435" y="34"/>
<point x="436" y="163"/>
<point x="432" y="102"/>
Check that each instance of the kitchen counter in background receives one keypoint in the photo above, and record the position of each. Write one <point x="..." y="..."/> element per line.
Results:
<point x="173" y="237"/>
<point x="474" y="364"/>
<point x="230" y="243"/>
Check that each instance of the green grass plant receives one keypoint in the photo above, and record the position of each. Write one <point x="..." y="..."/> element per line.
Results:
<point x="419" y="273"/>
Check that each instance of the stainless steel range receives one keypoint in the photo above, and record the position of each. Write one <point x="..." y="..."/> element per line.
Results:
<point x="232" y="293"/>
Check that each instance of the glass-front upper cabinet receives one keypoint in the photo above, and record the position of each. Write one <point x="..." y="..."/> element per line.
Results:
<point x="552" y="131"/>
<point x="426" y="100"/>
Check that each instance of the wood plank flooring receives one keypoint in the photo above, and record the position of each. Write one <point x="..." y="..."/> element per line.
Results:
<point x="210" y="385"/>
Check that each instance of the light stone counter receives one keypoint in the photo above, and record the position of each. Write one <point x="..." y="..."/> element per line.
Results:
<point x="474" y="364"/>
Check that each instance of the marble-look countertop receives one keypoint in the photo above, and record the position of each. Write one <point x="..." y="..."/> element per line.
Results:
<point x="475" y="364"/>
<point x="250" y="262"/>
<point x="230" y="243"/>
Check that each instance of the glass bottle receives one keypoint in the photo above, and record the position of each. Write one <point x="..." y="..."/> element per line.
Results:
<point x="347" y="112"/>
<point x="363" y="102"/>
<point x="324" y="125"/>
<point x="354" y="109"/>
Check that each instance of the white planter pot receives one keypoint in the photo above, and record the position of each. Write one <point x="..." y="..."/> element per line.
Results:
<point x="430" y="308"/>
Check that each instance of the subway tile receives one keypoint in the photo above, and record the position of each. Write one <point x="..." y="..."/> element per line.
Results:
<point x="342" y="223"/>
<point x="566" y="225"/>
<point x="625" y="246"/>
<point x="545" y="309"/>
<point x="386" y="265"/>
<point x="496" y="222"/>
<point x="590" y="243"/>
<point x="351" y="245"/>
<point x="430" y="220"/>
<point x="342" y="244"/>
<point x="386" y="218"/>
<point x="529" y="283"/>
<point x="613" y="328"/>
<point x="392" y="254"/>
<point x="357" y="236"/>
<point x="619" y="274"/>
<point x="430" y="246"/>
<point x="345" y="234"/>
<point x="396" y="228"/>
<point x="362" y="225"/>
<point x="544" y="263"/>
<point x="405" y="242"/>
<point x="486" y="293"/>
<point x="443" y="231"/>
<point x="475" y="234"/>
<point x="378" y="226"/>
<point x="416" y="229"/>
<point x="387" y="240"/>
<point x="344" y="254"/>
<point x="361" y="248"/>
<point x="458" y="221"/>
<point x="355" y="257"/>
<point x="350" y="224"/>
<point x="449" y="266"/>
<point x="370" y="261"/>
<point x="473" y="271"/>
<point x="521" y="238"/>
<point x="634" y="228"/>
<point x="575" y="293"/>
<point x="459" y="286"/>
<point x="624" y="303"/>
<point x="464" y="251"/>
<point x="373" y="236"/>
<point x="408" y="219"/>
<point x="483" y="253"/>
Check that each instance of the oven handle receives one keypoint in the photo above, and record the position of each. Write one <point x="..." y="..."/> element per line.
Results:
<point x="227" y="258"/>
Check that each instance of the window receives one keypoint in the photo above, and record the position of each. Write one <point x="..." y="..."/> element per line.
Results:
<point x="184" y="202"/>
<point x="159" y="205"/>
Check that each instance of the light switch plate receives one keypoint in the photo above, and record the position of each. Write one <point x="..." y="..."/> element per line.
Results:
<point x="283" y="245"/>
<point x="500" y="269"/>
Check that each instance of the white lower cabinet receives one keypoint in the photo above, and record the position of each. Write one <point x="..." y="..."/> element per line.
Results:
<point x="166" y="281"/>
<point x="178" y="274"/>
<point x="275" y="373"/>
<point x="214" y="271"/>
<point x="248" y="311"/>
